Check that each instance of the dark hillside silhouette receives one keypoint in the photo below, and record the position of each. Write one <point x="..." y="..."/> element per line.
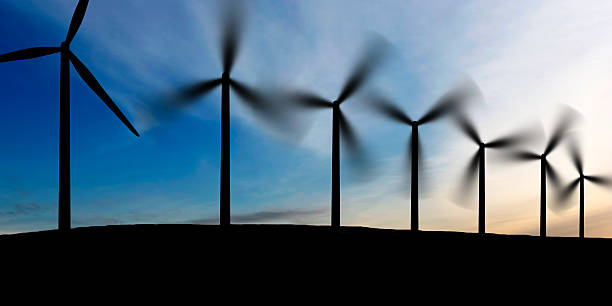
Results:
<point x="292" y="253"/>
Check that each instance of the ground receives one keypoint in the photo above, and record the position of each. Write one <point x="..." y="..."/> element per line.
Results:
<point x="294" y="251"/>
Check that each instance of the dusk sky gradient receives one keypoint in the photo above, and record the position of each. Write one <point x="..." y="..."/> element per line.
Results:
<point x="528" y="57"/>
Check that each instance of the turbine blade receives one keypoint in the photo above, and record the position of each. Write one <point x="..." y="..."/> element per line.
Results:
<point x="601" y="180"/>
<point x="465" y="194"/>
<point x="389" y="109"/>
<point x="357" y="156"/>
<point x="307" y="100"/>
<point x="523" y="156"/>
<point x="453" y="101"/>
<point x="274" y="111"/>
<point x="552" y="175"/>
<point x="468" y="128"/>
<point x="374" y="53"/>
<point x="190" y="93"/>
<point x="77" y="19"/>
<point x="566" y="122"/>
<point x="564" y="194"/>
<point x="349" y="138"/>
<point x="515" y="139"/>
<point x="253" y="98"/>
<point x="28" y="53"/>
<point x="91" y="81"/>
<point x="230" y="39"/>
<point x="576" y="157"/>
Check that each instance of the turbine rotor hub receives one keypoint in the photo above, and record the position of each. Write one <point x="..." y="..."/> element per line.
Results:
<point x="65" y="46"/>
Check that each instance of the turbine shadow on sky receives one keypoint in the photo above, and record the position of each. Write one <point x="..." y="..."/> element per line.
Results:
<point x="568" y="119"/>
<point x="565" y="193"/>
<point x="452" y="102"/>
<point x="67" y="57"/>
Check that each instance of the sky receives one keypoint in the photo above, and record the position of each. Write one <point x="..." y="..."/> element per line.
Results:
<point x="529" y="58"/>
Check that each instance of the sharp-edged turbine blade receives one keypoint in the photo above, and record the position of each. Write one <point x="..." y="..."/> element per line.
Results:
<point x="375" y="52"/>
<point x="230" y="39"/>
<point x="191" y="92"/>
<point x="389" y="109"/>
<point x="91" y="81"/>
<point x="468" y="128"/>
<point x="77" y="19"/>
<point x="566" y="122"/>
<point x="453" y="101"/>
<point x="307" y="100"/>
<point x="28" y="54"/>
<point x="600" y="180"/>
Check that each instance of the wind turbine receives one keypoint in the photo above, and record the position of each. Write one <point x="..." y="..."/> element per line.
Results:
<point x="476" y="166"/>
<point x="68" y="57"/>
<point x="546" y="170"/>
<point x="361" y="73"/>
<point x="452" y="102"/>
<point x="567" y="191"/>
<point x="254" y="99"/>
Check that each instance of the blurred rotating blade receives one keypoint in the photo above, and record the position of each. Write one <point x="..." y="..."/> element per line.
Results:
<point x="190" y="93"/>
<point x="272" y="111"/>
<point x="552" y="175"/>
<point x="566" y="122"/>
<point x="357" y="156"/>
<point x="522" y="156"/>
<point x="468" y="128"/>
<point x="306" y="100"/>
<point x="564" y="194"/>
<point x="453" y="101"/>
<point x="388" y="109"/>
<point x="349" y="138"/>
<point x="576" y="157"/>
<point x="600" y="180"/>
<point x="516" y="139"/>
<point x="233" y="16"/>
<point x="371" y="59"/>
<point x="465" y="195"/>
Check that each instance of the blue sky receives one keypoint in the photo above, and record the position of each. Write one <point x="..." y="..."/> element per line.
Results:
<point x="521" y="54"/>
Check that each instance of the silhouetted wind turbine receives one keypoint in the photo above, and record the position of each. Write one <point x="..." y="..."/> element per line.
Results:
<point x="567" y="191"/>
<point x="254" y="99"/>
<point x="66" y="57"/>
<point x="360" y="74"/>
<point x="545" y="168"/>
<point x="450" y="103"/>
<point x="476" y="166"/>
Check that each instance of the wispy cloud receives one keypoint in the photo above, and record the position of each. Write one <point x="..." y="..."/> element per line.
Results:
<point x="280" y="216"/>
<point x="25" y="209"/>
